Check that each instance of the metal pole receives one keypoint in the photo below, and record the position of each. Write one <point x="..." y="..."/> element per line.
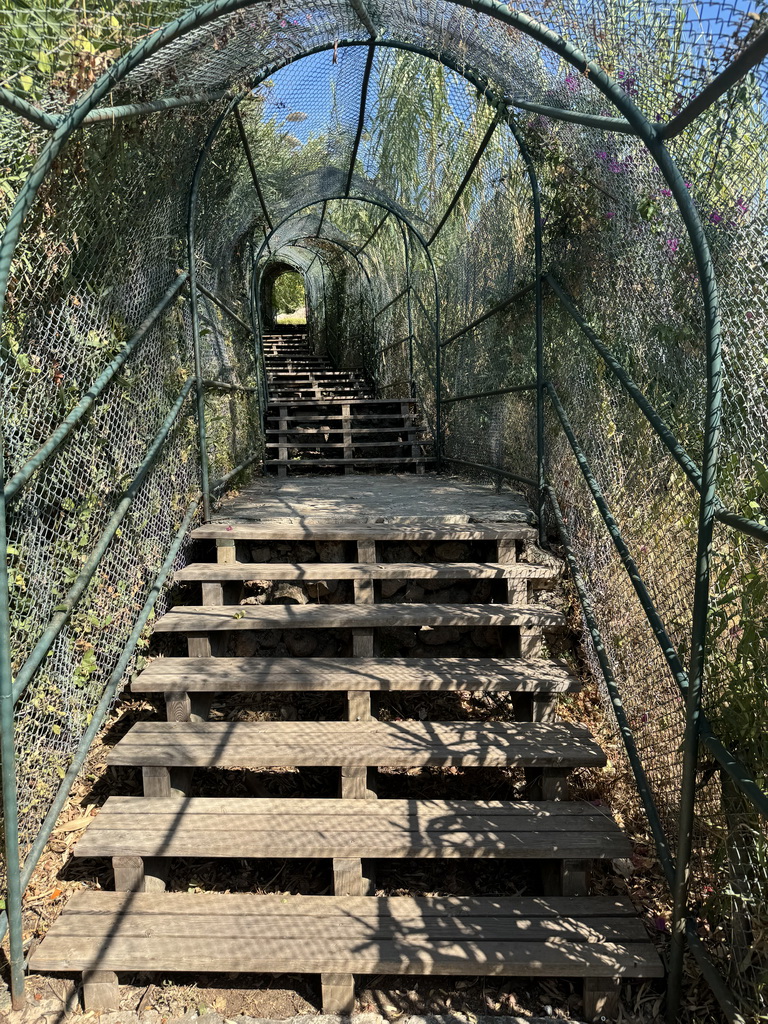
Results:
<point x="86" y="402"/>
<point x="538" y="261"/>
<point x="465" y="180"/>
<point x="193" y="307"/>
<point x="8" y="755"/>
<point x="103" y="706"/>
<point x="498" y="308"/>
<point x="251" y="165"/>
<point x="409" y="309"/>
<point x="361" y="117"/>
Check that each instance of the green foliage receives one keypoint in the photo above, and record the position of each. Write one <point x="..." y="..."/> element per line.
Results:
<point x="288" y="293"/>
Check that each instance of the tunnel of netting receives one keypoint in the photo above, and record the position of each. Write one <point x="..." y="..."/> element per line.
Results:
<point x="392" y="173"/>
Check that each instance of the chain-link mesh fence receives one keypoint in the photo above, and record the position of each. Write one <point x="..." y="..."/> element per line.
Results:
<point x="390" y="179"/>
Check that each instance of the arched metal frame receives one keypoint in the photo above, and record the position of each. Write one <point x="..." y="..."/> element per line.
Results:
<point x="653" y="138"/>
<point x="403" y="219"/>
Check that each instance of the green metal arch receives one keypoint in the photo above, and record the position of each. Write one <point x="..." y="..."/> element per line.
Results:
<point x="652" y="138"/>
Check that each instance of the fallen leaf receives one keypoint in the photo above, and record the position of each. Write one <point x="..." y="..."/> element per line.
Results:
<point x="74" y="825"/>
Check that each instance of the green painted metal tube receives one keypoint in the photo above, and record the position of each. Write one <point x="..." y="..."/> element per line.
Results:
<point x="361" y="116"/>
<point x="538" y="264"/>
<point x="741" y="65"/>
<point x="625" y="730"/>
<point x="681" y="456"/>
<point x="251" y="165"/>
<point x="735" y="769"/>
<point x="109" y="115"/>
<point x="220" y="385"/>
<point x="193" y="306"/>
<point x="651" y="136"/>
<point x="659" y="630"/>
<point x="484" y="143"/>
<point x="492" y="469"/>
<point x="8" y="772"/>
<point x="489" y="394"/>
<point x="373" y="234"/>
<point x="86" y="402"/>
<point x="78" y="588"/>
<point x="103" y="706"/>
<point x="409" y="307"/>
<point x="608" y="124"/>
<point x="391" y="302"/>
<point x="425" y="311"/>
<point x="363" y="14"/>
<point x="223" y="306"/>
<point x="220" y="484"/>
<point x="28" y="110"/>
<point x="103" y="115"/>
<point x="498" y="308"/>
<point x="394" y="344"/>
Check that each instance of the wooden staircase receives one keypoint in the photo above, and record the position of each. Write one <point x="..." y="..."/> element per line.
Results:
<point x="322" y="418"/>
<point x="559" y="931"/>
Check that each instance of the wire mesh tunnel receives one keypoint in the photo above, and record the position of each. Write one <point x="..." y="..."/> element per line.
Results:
<point x="547" y="224"/>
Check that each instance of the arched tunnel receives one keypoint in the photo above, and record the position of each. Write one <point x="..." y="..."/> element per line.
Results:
<point x="544" y="224"/>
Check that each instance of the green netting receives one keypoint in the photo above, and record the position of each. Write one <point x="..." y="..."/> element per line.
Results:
<point x="356" y="176"/>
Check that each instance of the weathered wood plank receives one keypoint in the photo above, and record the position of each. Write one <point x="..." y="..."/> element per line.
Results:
<point x="362" y="531"/>
<point x="382" y="744"/>
<point x="243" y="932"/>
<point x="100" y="991"/>
<point x="199" y="619"/>
<point x="384" y="674"/>
<point x="201" y="571"/>
<point x="338" y="829"/>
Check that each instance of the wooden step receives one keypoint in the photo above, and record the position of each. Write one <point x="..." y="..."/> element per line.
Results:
<point x="315" y="445"/>
<point x="212" y="932"/>
<point x="270" y="675"/>
<point x="320" y="432"/>
<point x="357" y="744"/>
<point x="354" y="420"/>
<point x="279" y="530"/>
<point x="352" y="463"/>
<point x="373" y="402"/>
<point x="213" y="571"/>
<point x="295" y="827"/>
<point x="201" y="619"/>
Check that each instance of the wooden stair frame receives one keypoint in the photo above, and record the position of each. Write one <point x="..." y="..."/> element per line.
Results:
<point x="596" y="939"/>
<point x="301" y="383"/>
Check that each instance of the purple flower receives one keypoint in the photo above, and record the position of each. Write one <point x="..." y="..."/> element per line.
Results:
<point x="715" y="217"/>
<point x="673" y="244"/>
<point x="610" y="214"/>
<point x="666" y="192"/>
<point x="572" y="82"/>
<point x="601" y="156"/>
<point x="741" y="205"/>
<point x="615" y="168"/>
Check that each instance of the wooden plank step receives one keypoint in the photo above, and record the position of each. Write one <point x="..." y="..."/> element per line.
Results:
<point x="302" y="463"/>
<point x="215" y="571"/>
<point x="202" y="619"/>
<point x="279" y="530"/>
<point x="373" y="402"/>
<point x="212" y="932"/>
<point x="355" y="418"/>
<point x="340" y="444"/>
<point x="357" y="744"/>
<point x="270" y="675"/>
<point x="320" y="432"/>
<point x="206" y="827"/>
